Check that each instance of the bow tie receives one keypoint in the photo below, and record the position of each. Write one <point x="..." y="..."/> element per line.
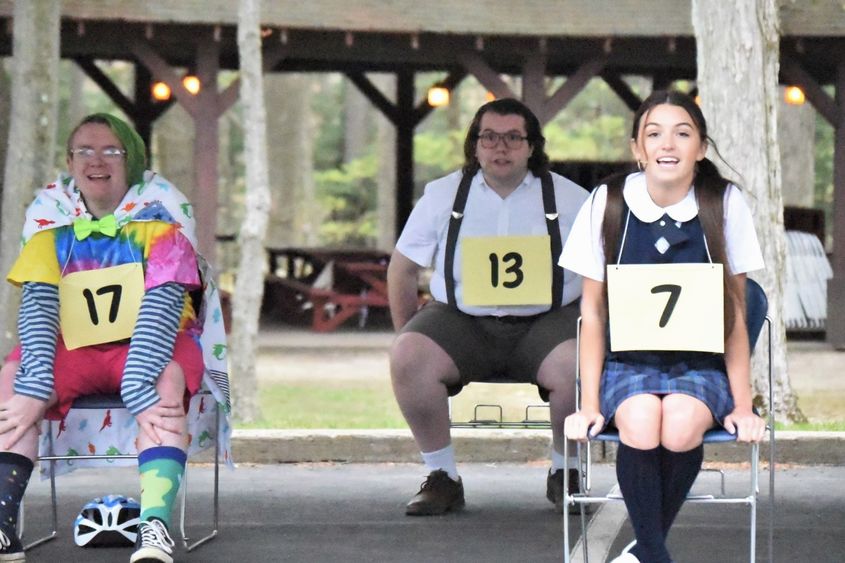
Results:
<point x="84" y="227"/>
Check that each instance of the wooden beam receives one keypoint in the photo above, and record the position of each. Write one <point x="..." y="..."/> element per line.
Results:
<point x="451" y="82"/>
<point x="621" y="89"/>
<point x="379" y="100"/>
<point x="106" y="85"/>
<point x="160" y="70"/>
<point x="482" y="72"/>
<point x="569" y="89"/>
<point x="793" y="73"/>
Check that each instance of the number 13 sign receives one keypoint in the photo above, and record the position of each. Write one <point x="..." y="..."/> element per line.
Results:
<point x="666" y="307"/>
<point x="512" y="270"/>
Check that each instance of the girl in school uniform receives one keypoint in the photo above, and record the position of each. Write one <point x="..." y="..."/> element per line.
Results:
<point x="677" y="209"/>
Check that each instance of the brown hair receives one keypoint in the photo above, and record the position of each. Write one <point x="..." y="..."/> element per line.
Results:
<point x="710" y="187"/>
<point x="538" y="162"/>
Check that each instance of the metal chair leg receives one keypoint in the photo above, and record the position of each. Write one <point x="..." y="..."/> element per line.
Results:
<point x="185" y="540"/>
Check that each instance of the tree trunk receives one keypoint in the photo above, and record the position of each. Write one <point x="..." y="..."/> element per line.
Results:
<point x="294" y="218"/>
<point x="5" y="114"/>
<point x="32" y="134"/>
<point x="737" y="45"/>
<point x="249" y="286"/>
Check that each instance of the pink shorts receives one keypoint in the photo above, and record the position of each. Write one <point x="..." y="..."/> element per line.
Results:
<point x="98" y="370"/>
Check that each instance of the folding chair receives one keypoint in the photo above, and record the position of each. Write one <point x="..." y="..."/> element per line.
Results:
<point x="114" y="402"/>
<point x="533" y="418"/>
<point x="756" y="316"/>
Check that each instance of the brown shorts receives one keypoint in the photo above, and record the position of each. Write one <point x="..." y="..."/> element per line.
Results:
<point x="495" y="348"/>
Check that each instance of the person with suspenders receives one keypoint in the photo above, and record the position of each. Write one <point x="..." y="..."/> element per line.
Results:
<point x="502" y="309"/>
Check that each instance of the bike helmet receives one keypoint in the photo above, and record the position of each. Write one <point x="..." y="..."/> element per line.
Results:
<point x="110" y="521"/>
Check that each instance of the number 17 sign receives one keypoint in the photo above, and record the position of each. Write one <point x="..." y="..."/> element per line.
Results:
<point x="666" y="307"/>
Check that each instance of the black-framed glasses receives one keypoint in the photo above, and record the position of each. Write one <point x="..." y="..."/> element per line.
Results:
<point x="512" y="139"/>
<point x="108" y="153"/>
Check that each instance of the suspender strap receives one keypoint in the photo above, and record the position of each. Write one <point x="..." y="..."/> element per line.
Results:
<point x="553" y="225"/>
<point x="452" y="237"/>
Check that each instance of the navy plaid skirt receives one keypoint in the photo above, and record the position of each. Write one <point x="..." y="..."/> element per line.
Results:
<point x="699" y="375"/>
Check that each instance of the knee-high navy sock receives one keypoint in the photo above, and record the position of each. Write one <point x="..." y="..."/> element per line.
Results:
<point x="638" y="473"/>
<point x="15" y="470"/>
<point x="679" y="470"/>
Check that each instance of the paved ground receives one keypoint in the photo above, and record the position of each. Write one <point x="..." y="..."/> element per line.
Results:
<point x="315" y="512"/>
<point x="354" y="513"/>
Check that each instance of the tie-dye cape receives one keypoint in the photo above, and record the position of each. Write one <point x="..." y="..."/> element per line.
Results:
<point x="105" y="431"/>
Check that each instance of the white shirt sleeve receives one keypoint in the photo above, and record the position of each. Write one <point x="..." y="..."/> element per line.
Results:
<point x="418" y="241"/>
<point x="742" y="246"/>
<point x="583" y="252"/>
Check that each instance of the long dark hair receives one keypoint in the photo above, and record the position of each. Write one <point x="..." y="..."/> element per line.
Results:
<point x="710" y="188"/>
<point x="538" y="162"/>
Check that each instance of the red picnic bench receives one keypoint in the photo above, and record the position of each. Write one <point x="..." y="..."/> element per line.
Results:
<point x="333" y="284"/>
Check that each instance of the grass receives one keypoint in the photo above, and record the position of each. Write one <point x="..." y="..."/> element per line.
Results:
<point x="343" y="405"/>
<point x="833" y="426"/>
<point x="362" y="405"/>
<point x="356" y="405"/>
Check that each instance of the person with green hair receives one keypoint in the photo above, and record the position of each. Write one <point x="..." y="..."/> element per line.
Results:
<point x="107" y="265"/>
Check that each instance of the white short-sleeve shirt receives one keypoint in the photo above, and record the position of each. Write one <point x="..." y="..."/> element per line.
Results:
<point x="583" y="252"/>
<point x="423" y="239"/>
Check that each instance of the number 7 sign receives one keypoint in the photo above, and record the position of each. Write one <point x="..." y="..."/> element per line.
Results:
<point x="666" y="307"/>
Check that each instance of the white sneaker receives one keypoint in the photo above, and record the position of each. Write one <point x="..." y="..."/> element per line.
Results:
<point x="153" y="544"/>
<point x="626" y="556"/>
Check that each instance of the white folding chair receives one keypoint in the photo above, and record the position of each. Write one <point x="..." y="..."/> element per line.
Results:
<point x="114" y="402"/>
<point x="756" y="316"/>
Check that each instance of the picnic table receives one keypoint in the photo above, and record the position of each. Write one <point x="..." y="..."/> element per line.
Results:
<point x="330" y="284"/>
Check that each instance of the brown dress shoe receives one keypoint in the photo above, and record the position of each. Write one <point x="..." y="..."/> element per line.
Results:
<point x="438" y="494"/>
<point x="554" y="491"/>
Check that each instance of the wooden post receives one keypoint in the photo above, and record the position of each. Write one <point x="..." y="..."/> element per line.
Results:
<point x="405" y="124"/>
<point x="206" y="148"/>
<point x="835" y="326"/>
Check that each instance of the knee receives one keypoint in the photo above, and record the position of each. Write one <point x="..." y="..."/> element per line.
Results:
<point x="171" y="383"/>
<point x="638" y="419"/>
<point x="412" y="357"/>
<point x="680" y="431"/>
<point x="557" y="372"/>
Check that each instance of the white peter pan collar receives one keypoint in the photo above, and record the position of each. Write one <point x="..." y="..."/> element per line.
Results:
<point x="640" y="203"/>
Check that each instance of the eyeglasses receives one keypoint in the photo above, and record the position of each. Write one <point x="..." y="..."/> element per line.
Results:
<point x="512" y="139"/>
<point x="108" y="153"/>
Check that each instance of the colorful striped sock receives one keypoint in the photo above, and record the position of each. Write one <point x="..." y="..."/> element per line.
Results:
<point x="161" y="470"/>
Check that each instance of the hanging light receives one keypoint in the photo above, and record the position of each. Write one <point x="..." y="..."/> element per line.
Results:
<point x="160" y="91"/>
<point x="438" y="95"/>
<point x="794" y="95"/>
<point x="489" y="96"/>
<point x="191" y="84"/>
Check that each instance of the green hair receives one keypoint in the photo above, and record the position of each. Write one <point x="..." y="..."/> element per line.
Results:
<point x="133" y="144"/>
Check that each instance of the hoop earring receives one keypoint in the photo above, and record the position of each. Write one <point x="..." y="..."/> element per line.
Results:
<point x="640" y="166"/>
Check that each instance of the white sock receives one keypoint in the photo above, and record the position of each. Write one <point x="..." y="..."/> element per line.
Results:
<point x="557" y="461"/>
<point x="442" y="459"/>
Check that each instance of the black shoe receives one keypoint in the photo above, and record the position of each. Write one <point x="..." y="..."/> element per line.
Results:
<point x="438" y="494"/>
<point x="10" y="547"/>
<point x="153" y="544"/>
<point x="554" y="491"/>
